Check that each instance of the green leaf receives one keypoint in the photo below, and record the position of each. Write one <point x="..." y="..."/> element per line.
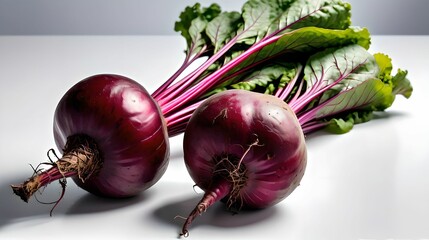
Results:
<point x="349" y="75"/>
<point x="197" y="39"/>
<point x="370" y="95"/>
<point x="352" y="84"/>
<point x="222" y="28"/>
<point x="304" y="40"/>
<point x="401" y="84"/>
<point x="192" y="24"/>
<point x="265" y="17"/>
<point x="268" y="79"/>
<point x="384" y="63"/>
<point x="331" y="14"/>
<point x="345" y="124"/>
<point x="339" y="125"/>
<point x="307" y="40"/>
<point x="349" y="66"/>
<point x="258" y="16"/>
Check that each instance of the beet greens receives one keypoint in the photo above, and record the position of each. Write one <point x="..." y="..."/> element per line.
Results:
<point x="339" y="87"/>
<point x="263" y="48"/>
<point x="233" y="45"/>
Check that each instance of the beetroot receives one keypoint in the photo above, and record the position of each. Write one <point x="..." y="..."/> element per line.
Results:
<point x="112" y="136"/>
<point x="244" y="148"/>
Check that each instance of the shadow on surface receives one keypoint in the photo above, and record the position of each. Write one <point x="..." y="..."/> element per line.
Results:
<point x="93" y="204"/>
<point x="217" y="215"/>
<point x="377" y="116"/>
<point x="75" y="201"/>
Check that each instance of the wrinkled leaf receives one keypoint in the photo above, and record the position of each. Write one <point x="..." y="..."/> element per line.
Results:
<point x="267" y="17"/>
<point x="330" y="14"/>
<point x="308" y="40"/>
<point x="268" y="79"/>
<point x="192" y="24"/>
<point x="259" y="15"/>
<point x="349" y="66"/>
<point x="371" y="94"/>
<point x="401" y="84"/>
<point x="345" y="124"/>
<point x="384" y="63"/>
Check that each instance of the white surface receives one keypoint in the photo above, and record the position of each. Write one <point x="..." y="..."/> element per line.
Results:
<point x="371" y="183"/>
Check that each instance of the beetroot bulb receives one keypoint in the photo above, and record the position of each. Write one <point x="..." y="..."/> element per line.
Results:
<point x="244" y="148"/>
<point x="112" y="136"/>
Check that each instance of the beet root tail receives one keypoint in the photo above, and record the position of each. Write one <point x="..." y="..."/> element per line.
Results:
<point x="221" y="190"/>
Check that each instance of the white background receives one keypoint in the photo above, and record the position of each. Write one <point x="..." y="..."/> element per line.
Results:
<point x="154" y="17"/>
